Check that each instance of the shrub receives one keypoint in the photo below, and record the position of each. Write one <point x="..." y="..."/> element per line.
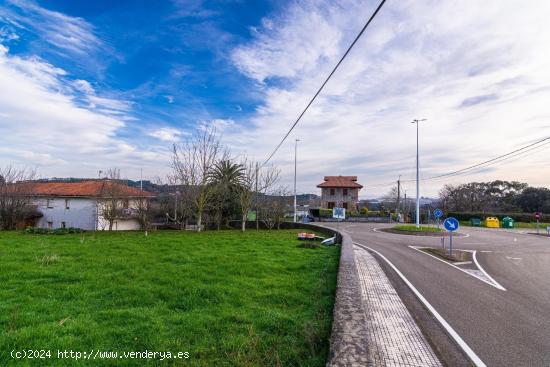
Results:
<point x="57" y="231"/>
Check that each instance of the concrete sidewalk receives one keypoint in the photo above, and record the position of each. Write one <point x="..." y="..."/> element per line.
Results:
<point x="394" y="337"/>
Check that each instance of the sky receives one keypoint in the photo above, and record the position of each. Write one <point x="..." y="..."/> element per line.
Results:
<point x="90" y="85"/>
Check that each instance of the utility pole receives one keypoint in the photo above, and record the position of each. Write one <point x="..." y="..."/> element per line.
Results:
<point x="417" y="122"/>
<point x="295" y="170"/>
<point x="256" y="191"/>
<point x="398" y="197"/>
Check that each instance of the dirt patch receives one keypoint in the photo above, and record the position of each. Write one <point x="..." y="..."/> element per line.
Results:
<point x="458" y="255"/>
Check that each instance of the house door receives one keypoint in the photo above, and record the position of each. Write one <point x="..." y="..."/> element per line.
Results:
<point x="345" y="206"/>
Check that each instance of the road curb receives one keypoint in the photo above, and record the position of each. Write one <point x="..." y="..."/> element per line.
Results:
<point x="349" y="337"/>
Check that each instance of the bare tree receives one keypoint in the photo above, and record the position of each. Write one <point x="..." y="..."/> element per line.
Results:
<point x="15" y="195"/>
<point x="192" y="162"/>
<point x="246" y="191"/>
<point x="274" y="206"/>
<point x="143" y="210"/>
<point x="110" y="206"/>
<point x="254" y="181"/>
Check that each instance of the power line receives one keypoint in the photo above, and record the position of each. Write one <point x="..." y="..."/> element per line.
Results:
<point x="520" y="152"/>
<point x="324" y="83"/>
<point x="487" y="162"/>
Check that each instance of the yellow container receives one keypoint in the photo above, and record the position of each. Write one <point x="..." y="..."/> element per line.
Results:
<point x="492" y="222"/>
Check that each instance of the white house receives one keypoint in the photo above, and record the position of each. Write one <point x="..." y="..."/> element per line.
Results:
<point x="85" y="204"/>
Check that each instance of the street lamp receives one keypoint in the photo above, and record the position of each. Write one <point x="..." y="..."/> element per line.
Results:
<point x="295" y="165"/>
<point x="417" y="122"/>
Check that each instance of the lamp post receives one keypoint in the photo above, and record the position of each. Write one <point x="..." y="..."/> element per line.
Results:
<point x="295" y="171"/>
<point x="417" y="122"/>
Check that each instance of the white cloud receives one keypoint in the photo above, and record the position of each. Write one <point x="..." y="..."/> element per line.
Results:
<point x="42" y="123"/>
<point x="475" y="70"/>
<point x="283" y="51"/>
<point x="65" y="32"/>
<point x="170" y="99"/>
<point x="167" y="134"/>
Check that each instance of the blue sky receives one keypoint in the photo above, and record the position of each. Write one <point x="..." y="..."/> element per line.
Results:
<point x="87" y="85"/>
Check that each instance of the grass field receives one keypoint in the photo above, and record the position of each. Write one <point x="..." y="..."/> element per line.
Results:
<point x="226" y="298"/>
<point x="412" y="228"/>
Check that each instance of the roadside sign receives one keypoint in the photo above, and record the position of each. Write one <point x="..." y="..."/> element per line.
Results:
<point x="339" y="213"/>
<point x="451" y="224"/>
<point x="537" y="217"/>
<point x="438" y="213"/>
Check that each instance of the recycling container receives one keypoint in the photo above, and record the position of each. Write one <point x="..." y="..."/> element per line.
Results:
<point x="492" y="222"/>
<point x="507" y="222"/>
<point x="475" y="222"/>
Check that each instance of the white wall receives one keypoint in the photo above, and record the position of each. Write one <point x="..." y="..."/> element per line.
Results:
<point x="81" y="212"/>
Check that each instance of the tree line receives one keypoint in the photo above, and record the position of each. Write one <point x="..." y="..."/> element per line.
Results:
<point x="208" y="186"/>
<point x="495" y="197"/>
<point x="211" y="183"/>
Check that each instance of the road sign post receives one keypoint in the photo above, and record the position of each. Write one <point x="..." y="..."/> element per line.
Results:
<point x="451" y="224"/>
<point x="438" y="213"/>
<point x="338" y="214"/>
<point x="537" y="217"/>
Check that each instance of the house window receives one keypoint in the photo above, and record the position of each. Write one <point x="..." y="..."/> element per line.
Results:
<point x="125" y="204"/>
<point x="345" y="191"/>
<point x="49" y="203"/>
<point x="330" y="204"/>
<point x="50" y="225"/>
<point x="345" y="205"/>
<point x="63" y="225"/>
<point x="67" y="206"/>
<point x="332" y="192"/>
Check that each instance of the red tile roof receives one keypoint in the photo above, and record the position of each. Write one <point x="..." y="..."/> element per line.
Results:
<point x="98" y="188"/>
<point x="340" y="181"/>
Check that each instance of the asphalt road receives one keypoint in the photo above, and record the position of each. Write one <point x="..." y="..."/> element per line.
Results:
<point x="504" y="328"/>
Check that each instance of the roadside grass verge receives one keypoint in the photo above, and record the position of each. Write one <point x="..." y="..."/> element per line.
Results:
<point x="524" y="225"/>
<point x="412" y="228"/>
<point x="227" y="298"/>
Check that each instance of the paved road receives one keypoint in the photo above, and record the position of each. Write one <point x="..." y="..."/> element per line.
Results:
<point x="504" y="328"/>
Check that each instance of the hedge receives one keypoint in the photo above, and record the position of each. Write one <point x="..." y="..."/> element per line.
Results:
<point x="37" y="230"/>
<point x="518" y="217"/>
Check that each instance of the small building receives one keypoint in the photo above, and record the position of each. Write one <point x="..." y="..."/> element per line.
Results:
<point x="340" y="191"/>
<point x="88" y="204"/>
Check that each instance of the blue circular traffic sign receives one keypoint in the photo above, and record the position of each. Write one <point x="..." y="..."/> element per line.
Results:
<point x="451" y="224"/>
<point x="438" y="213"/>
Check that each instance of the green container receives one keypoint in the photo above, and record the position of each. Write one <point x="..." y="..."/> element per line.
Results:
<point x="475" y="222"/>
<point x="507" y="222"/>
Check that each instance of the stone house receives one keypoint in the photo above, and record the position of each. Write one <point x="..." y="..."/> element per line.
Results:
<point x="340" y="191"/>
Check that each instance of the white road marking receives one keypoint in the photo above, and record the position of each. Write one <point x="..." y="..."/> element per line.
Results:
<point x="469" y="352"/>
<point x="513" y="258"/>
<point x="489" y="280"/>
<point x="486" y="274"/>
<point x="462" y="263"/>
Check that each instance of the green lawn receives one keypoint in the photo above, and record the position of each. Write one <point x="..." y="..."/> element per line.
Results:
<point x="226" y="298"/>
<point x="412" y="228"/>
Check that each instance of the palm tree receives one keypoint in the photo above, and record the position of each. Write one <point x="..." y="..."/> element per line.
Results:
<point x="226" y="176"/>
